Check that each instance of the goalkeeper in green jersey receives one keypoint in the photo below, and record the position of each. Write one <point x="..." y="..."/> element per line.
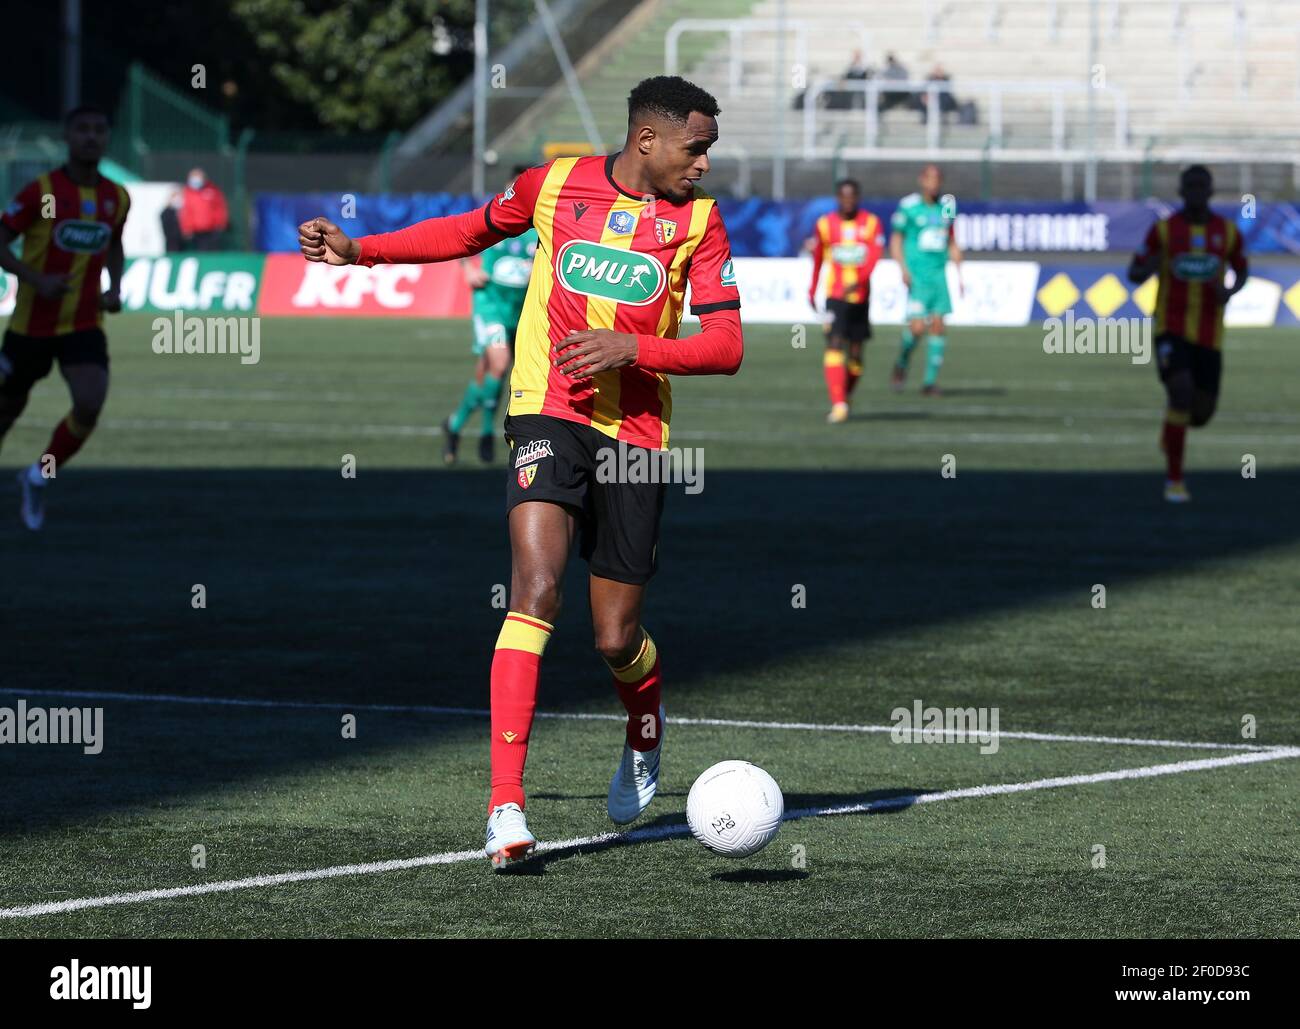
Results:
<point x="922" y="243"/>
<point x="500" y="283"/>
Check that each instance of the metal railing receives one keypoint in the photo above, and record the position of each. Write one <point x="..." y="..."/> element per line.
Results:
<point x="736" y="32"/>
<point x="1054" y="92"/>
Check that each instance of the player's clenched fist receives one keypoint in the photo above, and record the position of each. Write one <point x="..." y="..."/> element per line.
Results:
<point x="321" y="240"/>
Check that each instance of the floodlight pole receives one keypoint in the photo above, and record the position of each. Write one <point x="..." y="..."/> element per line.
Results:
<point x="778" y="105"/>
<point x="71" y="93"/>
<point x="1090" y="166"/>
<point x="478" y="185"/>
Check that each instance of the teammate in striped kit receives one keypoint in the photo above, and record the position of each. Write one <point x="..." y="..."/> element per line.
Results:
<point x="619" y="238"/>
<point x="1190" y="251"/>
<point x="848" y="243"/>
<point x="70" y="221"/>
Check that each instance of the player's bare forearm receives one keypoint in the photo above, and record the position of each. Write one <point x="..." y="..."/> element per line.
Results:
<point x="587" y="352"/>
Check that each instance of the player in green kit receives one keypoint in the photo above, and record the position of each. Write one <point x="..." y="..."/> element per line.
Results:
<point x="922" y="243"/>
<point x="500" y="283"/>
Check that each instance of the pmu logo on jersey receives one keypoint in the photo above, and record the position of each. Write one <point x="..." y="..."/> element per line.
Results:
<point x="82" y="237"/>
<point x="1195" y="267"/>
<point x="665" y="230"/>
<point x="527" y="475"/>
<point x="596" y="270"/>
<point x="622" y="222"/>
<point x="533" y="451"/>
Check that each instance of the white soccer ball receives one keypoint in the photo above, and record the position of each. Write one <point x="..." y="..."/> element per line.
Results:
<point x="735" y="808"/>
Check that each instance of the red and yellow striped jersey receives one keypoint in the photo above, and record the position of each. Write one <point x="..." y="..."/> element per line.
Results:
<point x="850" y="247"/>
<point x="608" y="258"/>
<point x="1193" y="259"/>
<point x="67" y="230"/>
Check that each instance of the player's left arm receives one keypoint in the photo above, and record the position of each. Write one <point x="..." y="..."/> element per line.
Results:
<point x="716" y="350"/>
<point x="1240" y="268"/>
<point x="115" y="261"/>
<point x="955" y="256"/>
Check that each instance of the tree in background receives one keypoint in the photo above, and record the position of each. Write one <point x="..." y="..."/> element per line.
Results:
<point x="369" y="65"/>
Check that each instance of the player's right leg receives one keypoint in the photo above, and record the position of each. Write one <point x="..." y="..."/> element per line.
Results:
<point x="472" y="397"/>
<point x="913" y="329"/>
<point x="496" y="360"/>
<point x="545" y="495"/>
<point x="24" y="361"/>
<point x="1180" y="392"/>
<point x="834" y="367"/>
<point x="541" y="534"/>
<point x="934" y="355"/>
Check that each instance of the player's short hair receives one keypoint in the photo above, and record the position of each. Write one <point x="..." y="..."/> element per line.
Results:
<point x="1193" y="170"/>
<point x="670" y="97"/>
<point x="81" y="109"/>
<point x="853" y="183"/>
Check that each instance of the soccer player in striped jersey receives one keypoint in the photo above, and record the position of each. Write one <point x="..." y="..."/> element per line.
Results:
<point x="848" y="242"/>
<point x="619" y="239"/>
<point x="70" y="220"/>
<point x="1190" y="251"/>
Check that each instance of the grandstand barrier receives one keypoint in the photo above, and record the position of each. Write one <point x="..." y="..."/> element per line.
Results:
<point x="760" y="227"/>
<point x="773" y="290"/>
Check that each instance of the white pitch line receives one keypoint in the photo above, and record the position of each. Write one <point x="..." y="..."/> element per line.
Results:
<point x="868" y="432"/>
<point x="639" y="835"/>
<point x="580" y="716"/>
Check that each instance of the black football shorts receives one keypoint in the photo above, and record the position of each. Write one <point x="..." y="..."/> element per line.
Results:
<point x="1174" y="354"/>
<point x="25" y="360"/>
<point x="850" y="322"/>
<point x="575" y="465"/>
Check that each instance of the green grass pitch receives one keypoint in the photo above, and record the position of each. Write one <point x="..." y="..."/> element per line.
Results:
<point x="345" y="595"/>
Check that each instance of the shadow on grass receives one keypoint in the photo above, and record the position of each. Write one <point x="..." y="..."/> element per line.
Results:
<point x="381" y="590"/>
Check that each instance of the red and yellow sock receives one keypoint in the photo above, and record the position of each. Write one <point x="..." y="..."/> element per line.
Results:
<point x="837" y="376"/>
<point x="516" y="670"/>
<point x="1174" y="441"/>
<point x="68" y="437"/>
<point x="638" y="688"/>
<point x="854" y="369"/>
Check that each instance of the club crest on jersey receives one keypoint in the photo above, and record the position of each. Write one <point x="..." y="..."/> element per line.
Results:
<point x="665" y="230"/>
<point x="622" y="222"/>
<point x="728" y="277"/>
<point x="527" y="475"/>
<point x="597" y="270"/>
<point x="533" y="451"/>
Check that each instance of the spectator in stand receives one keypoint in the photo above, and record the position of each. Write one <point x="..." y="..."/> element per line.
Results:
<point x="857" y="72"/>
<point x="895" y="72"/>
<point x="204" y="217"/>
<point x="946" y="101"/>
<point x="171" y="223"/>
